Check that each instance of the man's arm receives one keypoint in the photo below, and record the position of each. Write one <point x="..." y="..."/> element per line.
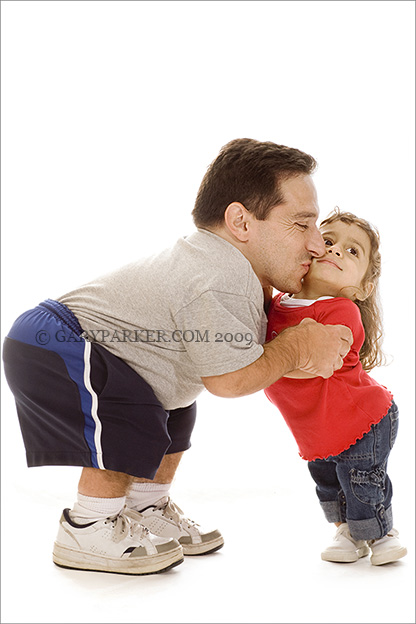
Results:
<point x="298" y="374"/>
<point x="346" y="313"/>
<point x="310" y="347"/>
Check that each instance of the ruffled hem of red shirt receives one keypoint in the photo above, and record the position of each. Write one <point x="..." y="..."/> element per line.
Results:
<point x="349" y="445"/>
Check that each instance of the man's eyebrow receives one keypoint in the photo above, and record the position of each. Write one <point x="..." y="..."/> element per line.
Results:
<point x="305" y="215"/>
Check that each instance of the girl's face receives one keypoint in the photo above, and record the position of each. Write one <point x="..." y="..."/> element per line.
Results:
<point x="341" y="271"/>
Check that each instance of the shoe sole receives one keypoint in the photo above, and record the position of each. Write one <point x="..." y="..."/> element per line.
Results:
<point x="344" y="556"/>
<point x="65" y="557"/>
<point x="389" y="557"/>
<point x="203" y="549"/>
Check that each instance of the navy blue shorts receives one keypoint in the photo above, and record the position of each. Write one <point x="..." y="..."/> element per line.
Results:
<point x="80" y="405"/>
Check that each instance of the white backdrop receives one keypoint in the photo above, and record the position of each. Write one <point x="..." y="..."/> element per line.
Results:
<point x="111" y="113"/>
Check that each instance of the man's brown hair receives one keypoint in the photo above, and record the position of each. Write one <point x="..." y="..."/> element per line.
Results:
<point x="249" y="172"/>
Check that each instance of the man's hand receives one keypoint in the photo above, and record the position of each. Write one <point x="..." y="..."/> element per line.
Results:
<point x="322" y="348"/>
<point x="311" y="347"/>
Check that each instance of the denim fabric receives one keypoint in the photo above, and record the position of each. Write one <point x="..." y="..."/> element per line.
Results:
<point x="354" y="487"/>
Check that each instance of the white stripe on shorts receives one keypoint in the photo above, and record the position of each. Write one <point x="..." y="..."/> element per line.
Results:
<point x="94" y="406"/>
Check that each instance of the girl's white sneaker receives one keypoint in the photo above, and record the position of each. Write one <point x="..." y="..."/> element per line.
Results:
<point x="387" y="549"/>
<point x="344" y="548"/>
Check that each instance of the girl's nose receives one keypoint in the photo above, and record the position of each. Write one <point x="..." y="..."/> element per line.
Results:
<point x="335" y="250"/>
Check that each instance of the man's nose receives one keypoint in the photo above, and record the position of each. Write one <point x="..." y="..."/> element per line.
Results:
<point x="316" y="246"/>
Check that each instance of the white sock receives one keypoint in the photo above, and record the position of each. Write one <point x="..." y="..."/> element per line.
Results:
<point x="90" y="509"/>
<point x="142" y="495"/>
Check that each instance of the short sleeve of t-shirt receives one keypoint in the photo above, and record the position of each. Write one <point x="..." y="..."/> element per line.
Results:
<point x="220" y="332"/>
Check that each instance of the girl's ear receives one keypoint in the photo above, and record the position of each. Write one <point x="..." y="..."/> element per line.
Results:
<point x="365" y="291"/>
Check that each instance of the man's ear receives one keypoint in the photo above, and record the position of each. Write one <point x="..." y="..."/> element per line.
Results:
<point x="365" y="291"/>
<point x="236" y="218"/>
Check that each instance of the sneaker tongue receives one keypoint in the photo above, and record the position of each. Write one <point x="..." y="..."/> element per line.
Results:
<point x="162" y="502"/>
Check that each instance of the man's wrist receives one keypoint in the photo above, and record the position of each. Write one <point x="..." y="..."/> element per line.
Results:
<point x="284" y="351"/>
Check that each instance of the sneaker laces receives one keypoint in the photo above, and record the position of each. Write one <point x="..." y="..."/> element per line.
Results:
<point x="123" y="524"/>
<point x="175" y="513"/>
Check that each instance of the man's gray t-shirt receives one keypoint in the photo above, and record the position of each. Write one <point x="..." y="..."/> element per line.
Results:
<point x="194" y="310"/>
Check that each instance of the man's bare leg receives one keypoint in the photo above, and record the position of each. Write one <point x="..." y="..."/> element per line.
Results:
<point x="111" y="484"/>
<point x="166" y="470"/>
<point x="104" y="483"/>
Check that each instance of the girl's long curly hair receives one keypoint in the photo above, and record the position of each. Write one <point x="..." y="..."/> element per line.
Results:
<point x="371" y="354"/>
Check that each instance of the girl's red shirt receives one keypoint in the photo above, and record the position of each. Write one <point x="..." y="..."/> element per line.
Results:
<point x="327" y="416"/>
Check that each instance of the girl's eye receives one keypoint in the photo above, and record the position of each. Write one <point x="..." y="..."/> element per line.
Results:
<point x="353" y="251"/>
<point x="327" y="242"/>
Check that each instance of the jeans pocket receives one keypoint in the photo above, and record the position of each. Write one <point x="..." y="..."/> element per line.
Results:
<point x="368" y="486"/>
<point x="394" y="423"/>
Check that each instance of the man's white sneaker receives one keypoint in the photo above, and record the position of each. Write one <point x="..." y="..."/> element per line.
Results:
<point x="165" y="519"/>
<point x="118" y="544"/>
<point x="387" y="549"/>
<point x="344" y="548"/>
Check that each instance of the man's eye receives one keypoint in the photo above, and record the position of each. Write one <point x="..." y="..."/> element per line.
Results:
<point x="303" y="226"/>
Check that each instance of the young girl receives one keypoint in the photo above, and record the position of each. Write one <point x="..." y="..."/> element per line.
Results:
<point x="345" y="426"/>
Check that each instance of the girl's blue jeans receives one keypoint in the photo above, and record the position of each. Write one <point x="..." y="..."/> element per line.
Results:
<point x="354" y="487"/>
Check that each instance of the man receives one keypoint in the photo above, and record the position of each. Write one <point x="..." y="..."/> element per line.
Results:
<point x="107" y="376"/>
